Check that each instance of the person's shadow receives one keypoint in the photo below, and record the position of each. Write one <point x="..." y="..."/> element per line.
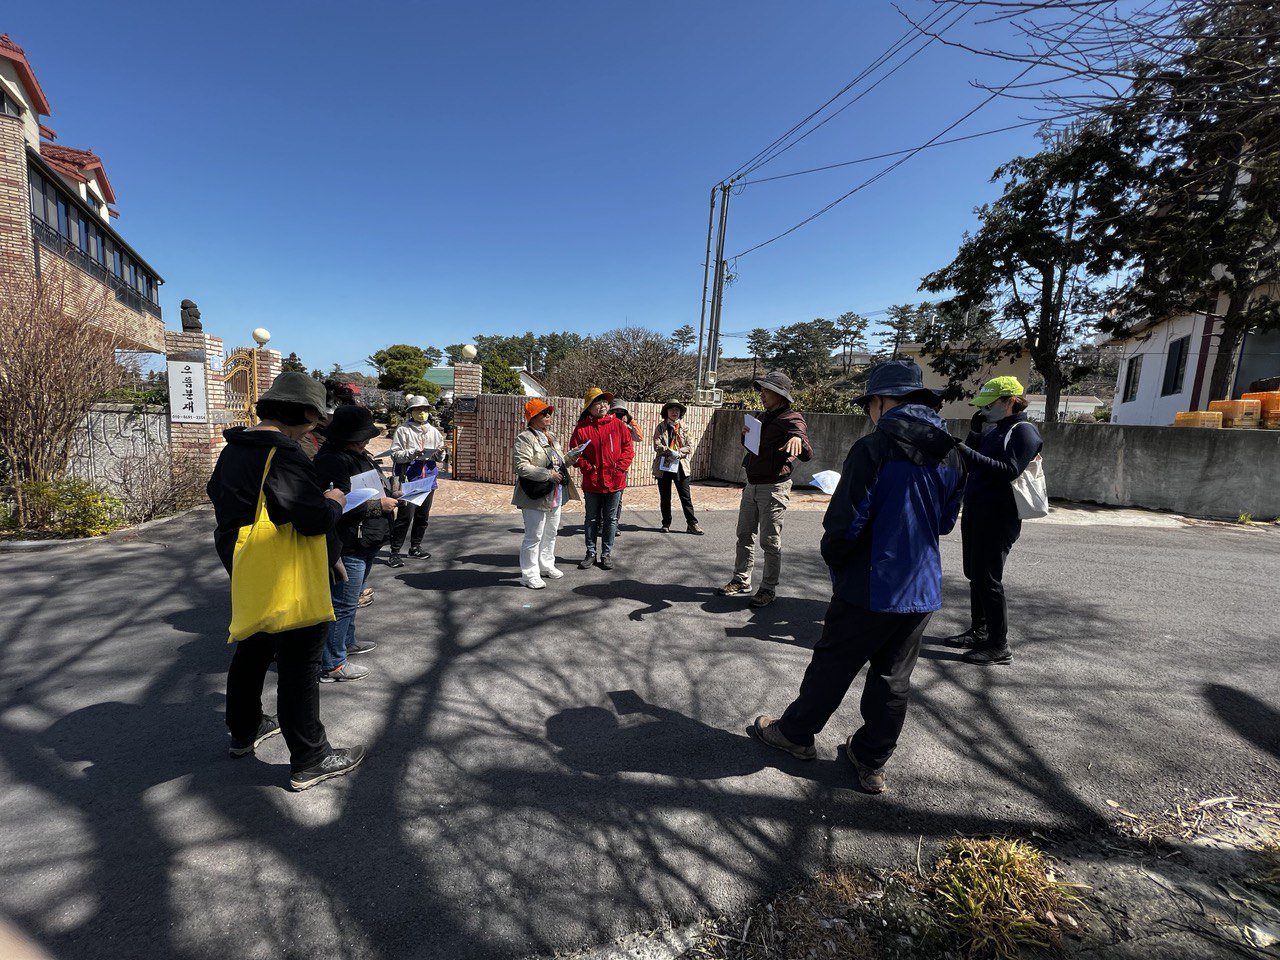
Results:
<point x="658" y="597"/>
<point x="641" y="737"/>
<point x="792" y="620"/>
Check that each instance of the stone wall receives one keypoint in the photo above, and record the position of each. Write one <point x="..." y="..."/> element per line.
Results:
<point x="112" y="433"/>
<point x="1198" y="472"/>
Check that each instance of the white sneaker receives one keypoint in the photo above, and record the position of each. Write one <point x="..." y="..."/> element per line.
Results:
<point x="534" y="584"/>
<point x="552" y="574"/>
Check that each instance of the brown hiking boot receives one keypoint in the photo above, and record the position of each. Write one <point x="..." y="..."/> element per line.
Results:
<point x="765" y="729"/>
<point x="870" y="779"/>
<point x="764" y="596"/>
<point x="733" y="588"/>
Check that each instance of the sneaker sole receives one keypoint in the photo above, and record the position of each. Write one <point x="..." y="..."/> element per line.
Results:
<point x="308" y="784"/>
<point x="324" y="679"/>
<point x="754" y="730"/>
<point x="248" y="751"/>
<point x="848" y="755"/>
<point x="356" y="653"/>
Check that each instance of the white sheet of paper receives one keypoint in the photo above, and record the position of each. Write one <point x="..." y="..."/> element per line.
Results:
<point x="578" y="450"/>
<point x="414" y="487"/>
<point x="669" y="464"/>
<point x="369" y="480"/>
<point x="752" y="440"/>
<point x="359" y="496"/>
<point x="418" y="499"/>
<point x="826" y="481"/>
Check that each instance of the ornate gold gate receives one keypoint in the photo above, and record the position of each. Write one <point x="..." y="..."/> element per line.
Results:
<point x="240" y="381"/>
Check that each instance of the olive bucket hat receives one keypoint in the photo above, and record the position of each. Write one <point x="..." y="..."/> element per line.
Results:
<point x="293" y="386"/>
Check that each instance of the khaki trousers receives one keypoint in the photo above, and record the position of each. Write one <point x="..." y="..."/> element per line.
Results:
<point x="761" y="511"/>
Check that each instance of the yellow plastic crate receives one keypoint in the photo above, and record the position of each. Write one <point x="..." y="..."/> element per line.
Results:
<point x="1198" y="418"/>
<point x="1238" y="414"/>
<point x="1270" y="400"/>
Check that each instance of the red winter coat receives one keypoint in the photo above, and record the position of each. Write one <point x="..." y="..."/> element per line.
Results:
<point x="604" y="463"/>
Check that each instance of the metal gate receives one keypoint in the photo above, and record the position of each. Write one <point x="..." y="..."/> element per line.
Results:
<point x="240" y="381"/>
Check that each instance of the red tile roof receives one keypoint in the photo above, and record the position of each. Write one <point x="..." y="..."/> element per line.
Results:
<point x="14" y="54"/>
<point x="82" y="162"/>
<point x="48" y="132"/>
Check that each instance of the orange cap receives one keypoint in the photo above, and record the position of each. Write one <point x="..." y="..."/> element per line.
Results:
<point x="534" y="407"/>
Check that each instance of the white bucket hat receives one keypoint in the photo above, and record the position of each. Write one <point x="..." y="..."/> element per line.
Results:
<point x="414" y="401"/>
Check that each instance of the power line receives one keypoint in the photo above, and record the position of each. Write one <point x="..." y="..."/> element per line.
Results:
<point x="897" y="46"/>
<point x="913" y="151"/>
<point x="892" y="153"/>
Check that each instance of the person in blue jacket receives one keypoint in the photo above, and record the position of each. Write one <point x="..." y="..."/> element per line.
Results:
<point x="899" y="491"/>
<point x="1000" y="445"/>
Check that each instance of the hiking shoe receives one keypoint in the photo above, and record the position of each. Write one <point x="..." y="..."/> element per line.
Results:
<point x="587" y="562"/>
<point x="366" y="597"/>
<point x="269" y="727"/>
<point x="765" y="729"/>
<point x="417" y="553"/>
<point x="871" y="779"/>
<point x="335" y="764"/>
<point x="973" y="637"/>
<point x="533" y="583"/>
<point x="394" y="560"/>
<point x="733" y="588"/>
<point x="606" y="563"/>
<point x="989" y="656"/>
<point x="763" y="598"/>
<point x="361" y="646"/>
<point x="552" y="574"/>
<point x="696" y="530"/>
<point x="344" y="671"/>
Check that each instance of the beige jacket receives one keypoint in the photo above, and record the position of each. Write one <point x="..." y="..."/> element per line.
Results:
<point x="531" y="459"/>
<point x="664" y="442"/>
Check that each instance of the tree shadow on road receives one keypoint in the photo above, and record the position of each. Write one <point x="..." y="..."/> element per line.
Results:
<point x="1254" y="720"/>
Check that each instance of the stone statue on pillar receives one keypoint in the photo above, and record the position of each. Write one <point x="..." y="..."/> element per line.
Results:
<point x="191" y="317"/>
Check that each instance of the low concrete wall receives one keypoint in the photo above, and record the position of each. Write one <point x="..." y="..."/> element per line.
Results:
<point x="112" y="433"/>
<point x="1201" y="473"/>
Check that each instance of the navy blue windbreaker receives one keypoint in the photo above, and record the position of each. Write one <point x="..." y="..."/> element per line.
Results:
<point x="899" y="491"/>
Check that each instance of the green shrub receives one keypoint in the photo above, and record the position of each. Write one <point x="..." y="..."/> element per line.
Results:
<point x="67" y="509"/>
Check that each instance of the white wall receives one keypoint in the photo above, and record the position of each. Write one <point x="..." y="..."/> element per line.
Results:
<point x="15" y="89"/>
<point x="1149" y="408"/>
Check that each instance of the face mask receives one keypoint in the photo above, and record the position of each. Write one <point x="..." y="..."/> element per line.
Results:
<point x="419" y="416"/>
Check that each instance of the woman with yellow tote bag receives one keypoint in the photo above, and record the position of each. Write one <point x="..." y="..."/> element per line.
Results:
<point x="273" y="522"/>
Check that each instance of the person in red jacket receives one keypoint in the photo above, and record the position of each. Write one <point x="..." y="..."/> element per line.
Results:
<point x="604" y="464"/>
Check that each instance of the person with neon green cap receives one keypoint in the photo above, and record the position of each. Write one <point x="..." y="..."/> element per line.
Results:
<point x="1000" y="445"/>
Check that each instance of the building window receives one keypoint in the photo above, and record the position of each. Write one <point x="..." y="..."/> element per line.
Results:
<point x="1175" y="366"/>
<point x="1132" y="371"/>
<point x="36" y="183"/>
<point x="9" y="106"/>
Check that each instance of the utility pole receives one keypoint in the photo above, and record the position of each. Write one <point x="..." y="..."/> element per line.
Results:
<point x="707" y="386"/>
<point x="706" y="272"/>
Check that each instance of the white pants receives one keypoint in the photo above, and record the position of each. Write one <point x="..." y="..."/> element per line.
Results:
<point x="538" y="551"/>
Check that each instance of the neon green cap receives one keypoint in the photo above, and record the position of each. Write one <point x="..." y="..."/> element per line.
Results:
<point x="996" y="388"/>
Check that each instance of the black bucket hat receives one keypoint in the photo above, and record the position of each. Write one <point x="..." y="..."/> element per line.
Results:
<point x="778" y="382"/>
<point x="351" y="423"/>
<point x="898" y="378"/>
<point x="293" y="386"/>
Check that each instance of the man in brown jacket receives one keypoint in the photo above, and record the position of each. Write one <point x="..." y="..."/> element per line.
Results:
<point x="783" y="440"/>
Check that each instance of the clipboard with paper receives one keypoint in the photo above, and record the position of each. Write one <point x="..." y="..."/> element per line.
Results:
<point x="751" y="440"/>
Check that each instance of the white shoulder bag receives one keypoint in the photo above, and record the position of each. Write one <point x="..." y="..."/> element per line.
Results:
<point x="1029" y="490"/>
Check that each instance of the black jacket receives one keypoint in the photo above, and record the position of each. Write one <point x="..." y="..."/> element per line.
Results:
<point x="366" y="527"/>
<point x="773" y="465"/>
<point x="995" y="459"/>
<point x="293" y="490"/>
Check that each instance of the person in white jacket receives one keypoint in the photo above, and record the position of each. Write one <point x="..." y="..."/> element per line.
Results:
<point x="415" y="450"/>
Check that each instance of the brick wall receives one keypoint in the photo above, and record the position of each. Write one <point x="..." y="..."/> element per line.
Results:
<point x="202" y="439"/>
<point x="269" y="365"/>
<point x="468" y="381"/>
<point x="485" y="446"/>
<point x="16" y="258"/>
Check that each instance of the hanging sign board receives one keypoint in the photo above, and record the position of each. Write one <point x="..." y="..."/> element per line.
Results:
<point x="187" y="400"/>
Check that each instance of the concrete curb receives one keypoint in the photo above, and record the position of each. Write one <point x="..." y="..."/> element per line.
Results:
<point x="115" y="536"/>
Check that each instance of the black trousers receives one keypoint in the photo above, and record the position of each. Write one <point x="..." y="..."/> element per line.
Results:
<point x="411" y="520"/>
<point x="987" y="535"/>
<point x="297" y="656"/>
<point x="851" y="638"/>
<point x="680" y="481"/>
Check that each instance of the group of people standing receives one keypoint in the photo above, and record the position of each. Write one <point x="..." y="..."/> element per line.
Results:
<point x="901" y="488"/>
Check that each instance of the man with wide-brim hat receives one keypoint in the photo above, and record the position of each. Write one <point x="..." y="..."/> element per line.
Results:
<point x="900" y="488"/>
<point x="362" y="531"/>
<point x="604" y="462"/>
<point x="784" y="438"/>
<point x="415" y="452"/>
<point x="673" y="448"/>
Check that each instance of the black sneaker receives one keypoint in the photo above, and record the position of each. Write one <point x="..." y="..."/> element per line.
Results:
<point x="989" y="656"/>
<point x="586" y="562"/>
<point x="394" y="560"/>
<point x="973" y="637"/>
<point x="269" y="727"/>
<point x="417" y="553"/>
<point x="335" y="764"/>
<point x="606" y="563"/>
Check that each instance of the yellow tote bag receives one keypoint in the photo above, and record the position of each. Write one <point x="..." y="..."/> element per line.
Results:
<point x="279" y="578"/>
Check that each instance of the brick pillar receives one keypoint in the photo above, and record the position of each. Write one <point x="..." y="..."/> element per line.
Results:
<point x="467" y="384"/>
<point x="200" y="439"/>
<point x="268" y="368"/>
<point x="17" y="256"/>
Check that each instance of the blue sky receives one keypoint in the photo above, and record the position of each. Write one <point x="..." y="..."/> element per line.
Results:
<point x="353" y="175"/>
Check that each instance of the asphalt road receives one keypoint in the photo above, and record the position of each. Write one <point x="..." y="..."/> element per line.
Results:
<point x="550" y="769"/>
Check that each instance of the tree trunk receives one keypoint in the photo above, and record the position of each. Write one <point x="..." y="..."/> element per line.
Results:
<point x="1224" y="364"/>
<point x="1052" y="394"/>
